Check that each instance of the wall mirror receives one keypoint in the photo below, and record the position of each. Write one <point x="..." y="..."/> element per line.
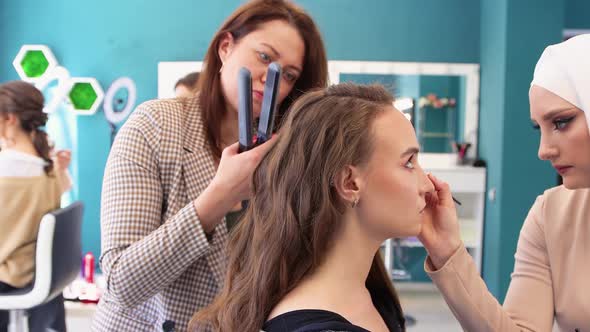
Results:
<point x="440" y="99"/>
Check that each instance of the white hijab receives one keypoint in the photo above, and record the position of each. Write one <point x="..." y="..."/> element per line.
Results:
<point x="564" y="69"/>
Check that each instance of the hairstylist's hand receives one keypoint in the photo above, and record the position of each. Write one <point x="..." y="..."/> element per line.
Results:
<point x="235" y="170"/>
<point x="440" y="233"/>
<point x="231" y="184"/>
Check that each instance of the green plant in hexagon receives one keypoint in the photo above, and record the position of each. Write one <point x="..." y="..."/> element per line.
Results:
<point x="34" y="63"/>
<point x="82" y="96"/>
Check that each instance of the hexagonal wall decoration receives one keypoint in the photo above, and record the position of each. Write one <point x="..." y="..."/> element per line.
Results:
<point x="33" y="62"/>
<point x="85" y="96"/>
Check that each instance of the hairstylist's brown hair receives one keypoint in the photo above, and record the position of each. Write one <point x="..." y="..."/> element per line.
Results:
<point x="294" y="213"/>
<point x="189" y="80"/>
<point x="244" y="20"/>
<point x="26" y="103"/>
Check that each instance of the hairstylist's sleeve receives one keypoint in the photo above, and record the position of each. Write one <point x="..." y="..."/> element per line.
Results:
<point x="141" y="253"/>
<point x="529" y="301"/>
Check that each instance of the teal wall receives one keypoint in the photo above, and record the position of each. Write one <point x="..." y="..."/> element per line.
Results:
<point x="493" y="32"/>
<point x="399" y="30"/>
<point x="577" y="14"/>
<point x="109" y="39"/>
<point x="514" y="33"/>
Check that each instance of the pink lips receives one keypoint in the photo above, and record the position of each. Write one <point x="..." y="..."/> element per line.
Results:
<point x="562" y="169"/>
<point x="257" y="95"/>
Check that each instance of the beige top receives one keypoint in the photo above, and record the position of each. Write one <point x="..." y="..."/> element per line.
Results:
<point x="551" y="278"/>
<point x="24" y="201"/>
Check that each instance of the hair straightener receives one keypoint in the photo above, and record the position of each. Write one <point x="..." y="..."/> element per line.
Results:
<point x="267" y="112"/>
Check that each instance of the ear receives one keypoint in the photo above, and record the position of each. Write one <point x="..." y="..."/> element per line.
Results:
<point x="226" y="45"/>
<point x="349" y="183"/>
<point x="11" y="119"/>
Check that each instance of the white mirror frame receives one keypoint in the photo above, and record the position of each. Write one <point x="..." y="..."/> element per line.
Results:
<point x="469" y="70"/>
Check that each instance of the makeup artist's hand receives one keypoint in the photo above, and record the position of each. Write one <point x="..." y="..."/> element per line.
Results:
<point x="440" y="233"/>
<point x="231" y="185"/>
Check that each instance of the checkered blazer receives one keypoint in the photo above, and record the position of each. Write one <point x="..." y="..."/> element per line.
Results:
<point x="157" y="260"/>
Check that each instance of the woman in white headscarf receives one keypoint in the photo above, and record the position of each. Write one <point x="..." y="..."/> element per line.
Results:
<point x="551" y="278"/>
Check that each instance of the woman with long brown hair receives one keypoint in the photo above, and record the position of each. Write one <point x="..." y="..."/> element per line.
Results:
<point x="32" y="180"/>
<point x="169" y="193"/>
<point x="341" y="178"/>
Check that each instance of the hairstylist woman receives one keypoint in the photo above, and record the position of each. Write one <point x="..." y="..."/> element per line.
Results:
<point x="168" y="186"/>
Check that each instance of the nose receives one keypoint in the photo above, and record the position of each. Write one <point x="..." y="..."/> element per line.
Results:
<point x="263" y="73"/>
<point x="426" y="185"/>
<point x="547" y="151"/>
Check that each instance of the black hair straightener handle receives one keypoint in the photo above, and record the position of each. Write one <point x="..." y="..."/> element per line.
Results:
<point x="269" y="103"/>
<point x="245" y="110"/>
<point x="268" y="109"/>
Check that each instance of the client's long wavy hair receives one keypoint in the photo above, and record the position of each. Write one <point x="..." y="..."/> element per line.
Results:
<point x="294" y="213"/>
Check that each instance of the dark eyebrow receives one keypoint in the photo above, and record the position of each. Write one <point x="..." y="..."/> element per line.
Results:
<point x="278" y="55"/>
<point x="553" y="113"/>
<point x="549" y="116"/>
<point x="409" y="151"/>
<point x="272" y="49"/>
